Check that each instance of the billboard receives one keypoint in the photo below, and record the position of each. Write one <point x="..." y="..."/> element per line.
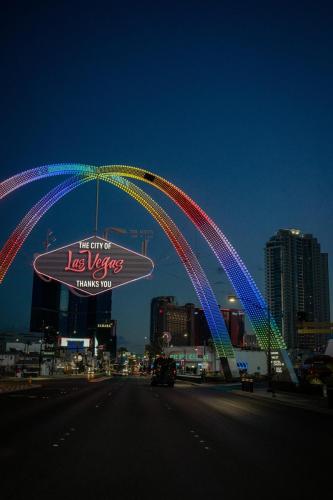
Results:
<point x="69" y="341"/>
<point x="93" y="265"/>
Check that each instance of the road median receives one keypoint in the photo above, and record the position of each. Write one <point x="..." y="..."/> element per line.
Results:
<point x="7" y="387"/>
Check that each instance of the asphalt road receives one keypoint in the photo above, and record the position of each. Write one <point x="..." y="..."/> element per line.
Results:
<point x="121" y="438"/>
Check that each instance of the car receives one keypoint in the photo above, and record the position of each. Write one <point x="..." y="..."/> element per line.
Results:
<point x="164" y="372"/>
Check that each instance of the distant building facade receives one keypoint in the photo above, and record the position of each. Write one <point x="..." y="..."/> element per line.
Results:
<point x="297" y="286"/>
<point x="187" y="324"/>
<point x="167" y="316"/>
<point x="250" y="341"/>
<point x="57" y="311"/>
<point x="234" y="320"/>
<point x="44" y="317"/>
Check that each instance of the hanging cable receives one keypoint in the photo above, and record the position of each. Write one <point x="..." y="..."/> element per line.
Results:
<point x="97" y="205"/>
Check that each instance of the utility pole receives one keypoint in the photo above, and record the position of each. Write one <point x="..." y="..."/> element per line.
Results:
<point x="50" y="238"/>
<point x="232" y="298"/>
<point x="40" y="356"/>
<point x="269" y="353"/>
<point x="145" y="234"/>
<point x="97" y="206"/>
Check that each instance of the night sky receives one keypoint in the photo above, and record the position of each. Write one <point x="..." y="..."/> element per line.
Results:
<point x="231" y="101"/>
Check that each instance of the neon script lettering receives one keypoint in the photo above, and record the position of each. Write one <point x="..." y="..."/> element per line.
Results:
<point x="99" y="266"/>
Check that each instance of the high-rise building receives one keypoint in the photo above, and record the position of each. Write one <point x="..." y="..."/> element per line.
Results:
<point x="297" y="286"/>
<point x="45" y="301"/>
<point x="234" y="320"/>
<point x="167" y="316"/>
<point x="58" y="311"/>
<point x="187" y="324"/>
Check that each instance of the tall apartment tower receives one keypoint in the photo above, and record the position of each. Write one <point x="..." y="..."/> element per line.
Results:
<point x="297" y="287"/>
<point x="188" y="325"/>
<point x="45" y="300"/>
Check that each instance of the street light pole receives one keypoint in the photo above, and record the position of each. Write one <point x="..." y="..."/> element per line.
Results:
<point x="269" y="353"/>
<point x="40" y="357"/>
<point x="232" y="298"/>
<point x="185" y="337"/>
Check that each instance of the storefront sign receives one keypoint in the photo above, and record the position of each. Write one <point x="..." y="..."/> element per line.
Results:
<point x="93" y="265"/>
<point x="68" y="341"/>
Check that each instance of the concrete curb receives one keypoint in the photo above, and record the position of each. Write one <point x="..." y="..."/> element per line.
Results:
<point x="195" y="384"/>
<point x="100" y="379"/>
<point x="294" y="404"/>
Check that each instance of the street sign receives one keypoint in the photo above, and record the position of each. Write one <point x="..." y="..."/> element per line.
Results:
<point x="167" y="336"/>
<point x="315" y="328"/>
<point x="93" y="265"/>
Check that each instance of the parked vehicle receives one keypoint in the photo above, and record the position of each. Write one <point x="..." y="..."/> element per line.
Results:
<point x="317" y="369"/>
<point x="164" y="372"/>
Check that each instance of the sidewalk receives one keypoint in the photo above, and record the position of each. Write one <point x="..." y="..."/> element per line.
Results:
<point x="13" y="384"/>
<point x="311" y="403"/>
<point x="306" y="402"/>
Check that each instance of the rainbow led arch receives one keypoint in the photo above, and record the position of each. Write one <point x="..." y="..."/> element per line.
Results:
<point x="200" y="282"/>
<point x="197" y="275"/>
<point x="245" y="287"/>
<point x="23" y="229"/>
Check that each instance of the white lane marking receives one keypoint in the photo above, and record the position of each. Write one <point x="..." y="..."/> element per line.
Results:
<point x="55" y="445"/>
